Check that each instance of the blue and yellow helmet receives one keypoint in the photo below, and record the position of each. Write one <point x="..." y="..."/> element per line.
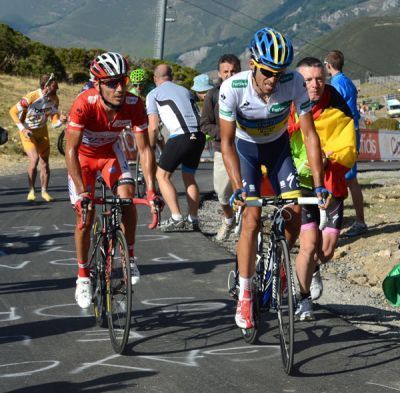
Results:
<point x="271" y="48"/>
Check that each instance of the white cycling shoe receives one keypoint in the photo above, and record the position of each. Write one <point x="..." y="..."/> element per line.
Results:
<point x="83" y="292"/>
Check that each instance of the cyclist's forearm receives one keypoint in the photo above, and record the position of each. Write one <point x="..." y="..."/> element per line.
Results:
<point x="74" y="168"/>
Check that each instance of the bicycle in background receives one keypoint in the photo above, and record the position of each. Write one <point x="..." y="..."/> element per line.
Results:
<point x="274" y="285"/>
<point x="110" y="267"/>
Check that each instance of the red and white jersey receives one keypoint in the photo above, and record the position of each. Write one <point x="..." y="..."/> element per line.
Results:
<point x="99" y="134"/>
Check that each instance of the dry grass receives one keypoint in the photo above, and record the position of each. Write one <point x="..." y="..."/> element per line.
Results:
<point x="12" y="88"/>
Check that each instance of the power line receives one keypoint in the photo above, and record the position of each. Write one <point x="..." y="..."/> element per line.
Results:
<point x="348" y="59"/>
<point x="216" y="15"/>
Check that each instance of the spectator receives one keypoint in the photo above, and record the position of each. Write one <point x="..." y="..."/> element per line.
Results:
<point x="201" y="85"/>
<point x="177" y="110"/>
<point x="228" y="65"/>
<point x="30" y="115"/>
<point x="335" y="127"/>
<point x="334" y="62"/>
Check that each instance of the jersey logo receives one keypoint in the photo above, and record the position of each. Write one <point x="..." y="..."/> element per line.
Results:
<point x="246" y="104"/>
<point x="278" y="108"/>
<point x="131" y="100"/>
<point x="239" y="83"/>
<point x="225" y="113"/>
<point x="92" y="99"/>
<point x="286" y="77"/>
<point x="122" y="123"/>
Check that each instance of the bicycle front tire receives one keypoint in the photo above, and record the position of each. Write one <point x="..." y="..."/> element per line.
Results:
<point x="285" y="304"/>
<point x="98" y="278"/>
<point x="119" y="294"/>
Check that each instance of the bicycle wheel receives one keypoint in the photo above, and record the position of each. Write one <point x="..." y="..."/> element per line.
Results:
<point x="97" y="273"/>
<point x="61" y="143"/>
<point x="140" y="184"/>
<point x="119" y="294"/>
<point x="285" y="304"/>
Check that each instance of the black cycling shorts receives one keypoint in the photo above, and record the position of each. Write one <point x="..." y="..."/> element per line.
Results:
<point x="183" y="149"/>
<point x="277" y="157"/>
<point x="310" y="215"/>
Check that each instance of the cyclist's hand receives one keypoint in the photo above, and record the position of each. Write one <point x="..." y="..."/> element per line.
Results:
<point x="84" y="202"/>
<point x="27" y="133"/>
<point x="155" y="200"/>
<point x="237" y="199"/>
<point x="324" y="197"/>
<point x="82" y="205"/>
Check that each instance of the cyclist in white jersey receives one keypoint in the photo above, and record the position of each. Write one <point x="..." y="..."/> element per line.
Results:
<point x="254" y="110"/>
<point x="174" y="105"/>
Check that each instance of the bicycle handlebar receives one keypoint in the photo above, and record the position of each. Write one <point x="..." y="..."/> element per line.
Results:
<point x="127" y="202"/>
<point x="280" y="202"/>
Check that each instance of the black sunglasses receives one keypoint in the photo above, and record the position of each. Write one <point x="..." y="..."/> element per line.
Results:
<point x="270" y="74"/>
<point x="114" y="82"/>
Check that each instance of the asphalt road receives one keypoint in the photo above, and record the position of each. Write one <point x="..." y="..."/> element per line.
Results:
<point x="183" y="337"/>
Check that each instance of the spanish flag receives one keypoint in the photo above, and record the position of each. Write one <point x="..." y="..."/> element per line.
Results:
<point x="335" y="127"/>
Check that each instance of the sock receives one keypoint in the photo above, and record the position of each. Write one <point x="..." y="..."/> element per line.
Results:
<point x="305" y="295"/>
<point x="44" y="189"/>
<point x="193" y="218"/>
<point x="177" y="217"/>
<point x="245" y="285"/>
<point x="83" y="269"/>
<point x="131" y="250"/>
<point x="229" y="221"/>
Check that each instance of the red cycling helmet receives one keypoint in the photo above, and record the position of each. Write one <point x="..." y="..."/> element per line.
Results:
<point x="108" y="65"/>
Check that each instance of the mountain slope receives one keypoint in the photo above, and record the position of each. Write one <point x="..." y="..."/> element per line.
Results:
<point x="370" y="45"/>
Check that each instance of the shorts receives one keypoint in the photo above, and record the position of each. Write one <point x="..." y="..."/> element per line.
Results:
<point x="310" y="216"/>
<point x="111" y="169"/>
<point x="352" y="173"/>
<point x="39" y="142"/>
<point x="277" y="158"/>
<point x="183" y="149"/>
<point x="222" y="183"/>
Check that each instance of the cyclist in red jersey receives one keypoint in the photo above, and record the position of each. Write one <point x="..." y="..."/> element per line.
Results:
<point x="97" y="118"/>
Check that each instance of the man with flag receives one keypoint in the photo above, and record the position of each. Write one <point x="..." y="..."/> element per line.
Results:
<point x="335" y="127"/>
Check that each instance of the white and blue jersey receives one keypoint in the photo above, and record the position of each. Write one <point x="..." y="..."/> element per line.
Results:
<point x="256" y="120"/>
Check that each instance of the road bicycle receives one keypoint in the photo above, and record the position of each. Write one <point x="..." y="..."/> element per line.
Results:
<point x="274" y="285"/>
<point x="61" y="143"/>
<point x="110" y="267"/>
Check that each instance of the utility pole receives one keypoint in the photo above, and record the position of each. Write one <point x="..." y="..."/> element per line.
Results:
<point x="161" y="19"/>
<point x="160" y="29"/>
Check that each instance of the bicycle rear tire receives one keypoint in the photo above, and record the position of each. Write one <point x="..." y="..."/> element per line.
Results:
<point x="140" y="184"/>
<point x="119" y="294"/>
<point x="61" y="143"/>
<point x="285" y="304"/>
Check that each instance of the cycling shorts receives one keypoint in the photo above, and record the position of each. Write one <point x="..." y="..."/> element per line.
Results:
<point x="111" y="169"/>
<point x="310" y="216"/>
<point x="39" y="142"/>
<point x="352" y="173"/>
<point x="277" y="157"/>
<point x="183" y="149"/>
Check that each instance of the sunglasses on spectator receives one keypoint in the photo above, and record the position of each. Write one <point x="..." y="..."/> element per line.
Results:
<point x="268" y="73"/>
<point x="113" y="83"/>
